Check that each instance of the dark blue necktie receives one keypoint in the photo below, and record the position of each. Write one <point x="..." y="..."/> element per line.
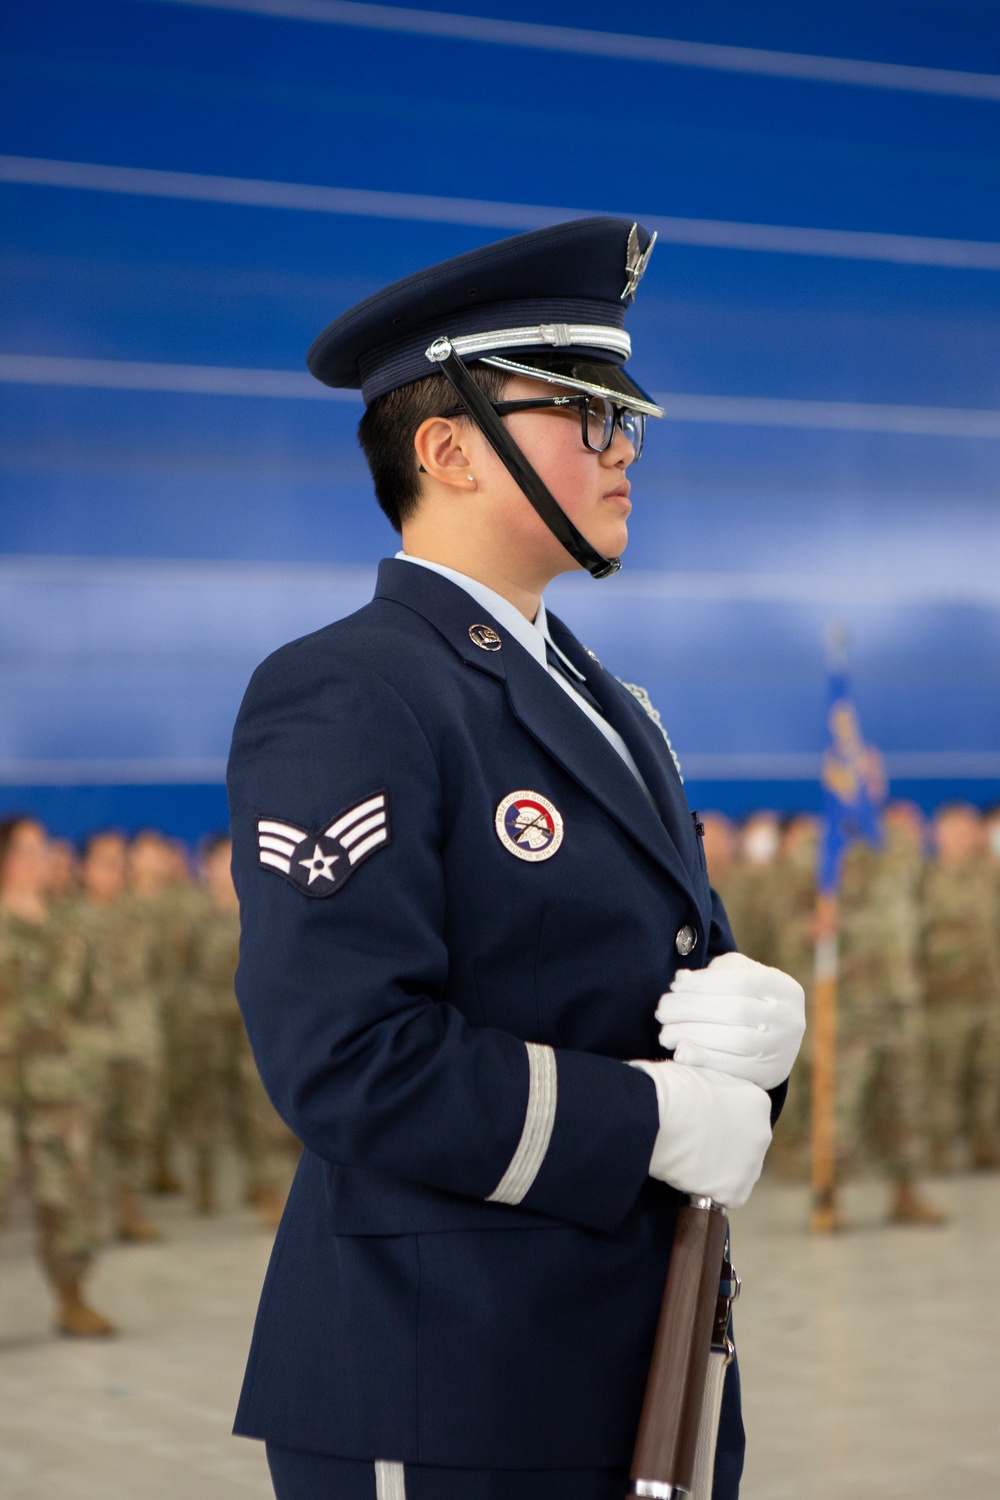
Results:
<point x="578" y="685"/>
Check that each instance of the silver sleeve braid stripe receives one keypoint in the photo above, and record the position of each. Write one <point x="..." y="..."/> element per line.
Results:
<point x="539" y="1118"/>
<point x="390" y="1480"/>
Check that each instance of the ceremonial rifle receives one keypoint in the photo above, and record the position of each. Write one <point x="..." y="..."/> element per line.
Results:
<point x="675" y="1449"/>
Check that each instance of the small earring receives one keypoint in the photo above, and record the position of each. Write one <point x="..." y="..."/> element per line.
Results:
<point x="470" y="478"/>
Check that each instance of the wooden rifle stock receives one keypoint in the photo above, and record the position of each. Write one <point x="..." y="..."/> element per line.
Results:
<point x="663" y="1462"/>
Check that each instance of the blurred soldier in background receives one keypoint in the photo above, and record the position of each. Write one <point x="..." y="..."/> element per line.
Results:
<point x="960" y="959"/>
<point x="878" y="1062"/>
<point x="760" y="839"/>
<point x="63" y="869"/>
<point x="224" y="1091"/>
<point x="736" y="879"/>
<point x="760" y="846"/>
<point x="719" y="842"/>
<point x="878" y="1070"/>
<point x="118" y="1019"/>
<point x="905" y="821"/>
<point x="118" y="994"/>
<point x="48" y="1076"/>
<point x="178" y="867"/>
<point x="784" y="936"/>
<point x="164" y="907"/>
<point x="993" y="833"/>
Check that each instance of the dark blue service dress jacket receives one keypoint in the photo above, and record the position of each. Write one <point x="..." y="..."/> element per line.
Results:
<point x="470" y="1265"/>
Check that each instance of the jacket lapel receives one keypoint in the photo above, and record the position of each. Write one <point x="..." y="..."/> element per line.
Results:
<point x="557" y="724"/>
<point x="547" y="713"/>
<point x="648" y="745"/>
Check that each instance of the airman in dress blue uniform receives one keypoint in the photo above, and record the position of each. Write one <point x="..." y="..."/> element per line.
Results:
<point x="468" y="874"/>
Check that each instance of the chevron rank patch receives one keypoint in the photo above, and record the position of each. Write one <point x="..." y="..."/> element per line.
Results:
<point x="320" y="863"/>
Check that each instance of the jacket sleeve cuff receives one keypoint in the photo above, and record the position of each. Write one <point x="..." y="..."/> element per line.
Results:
<point x="598" y="1156"/>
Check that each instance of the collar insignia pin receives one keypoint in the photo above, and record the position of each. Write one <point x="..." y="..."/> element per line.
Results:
<point x="485" y="637"/>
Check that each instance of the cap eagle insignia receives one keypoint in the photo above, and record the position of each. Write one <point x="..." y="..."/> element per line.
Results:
<point x="636" y="261"/>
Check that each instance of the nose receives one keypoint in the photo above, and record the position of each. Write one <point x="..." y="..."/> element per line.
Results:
<point x="619" y="452"/>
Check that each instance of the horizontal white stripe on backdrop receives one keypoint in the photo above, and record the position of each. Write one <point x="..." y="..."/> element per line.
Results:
<point x="130" y="671"/>
<point x="194" y="380"/>
<point x="719" y="234"/>
<point x="907" y="765"/>
<point x="134" y="772"/>
<point x="317" y="585"/>
<point x="910" y="765"/>
<point x="299" y="385"/>
<point x="648" y="49"/>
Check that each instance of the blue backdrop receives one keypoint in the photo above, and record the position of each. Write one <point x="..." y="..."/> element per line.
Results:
<point x="191" y="191"/>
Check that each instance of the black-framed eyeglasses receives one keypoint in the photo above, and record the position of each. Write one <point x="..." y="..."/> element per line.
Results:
<point x="598" y="418"/>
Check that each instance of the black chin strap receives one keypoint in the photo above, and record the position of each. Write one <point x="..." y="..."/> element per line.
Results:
<point x="496" y="434"/>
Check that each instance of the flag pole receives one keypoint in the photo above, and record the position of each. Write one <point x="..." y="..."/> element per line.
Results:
<point x="854" y="790"/>
<point x="838" y="788"/>
<point x="824" y="1066"/>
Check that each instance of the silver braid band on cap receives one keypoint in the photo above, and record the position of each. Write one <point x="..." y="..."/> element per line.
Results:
<point x="556" y="335"/>
<point x="539" y="1118"/>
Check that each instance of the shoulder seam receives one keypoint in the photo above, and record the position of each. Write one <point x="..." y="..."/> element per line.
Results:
<point x="357" y="661"/>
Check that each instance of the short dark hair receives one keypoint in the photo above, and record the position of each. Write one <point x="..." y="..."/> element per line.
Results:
<point x="8" y="832"/>
<point x="389" y="425"/>
<point x="213" y="841"/>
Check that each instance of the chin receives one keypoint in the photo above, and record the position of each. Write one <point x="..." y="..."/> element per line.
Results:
<point x="614" y="542"/>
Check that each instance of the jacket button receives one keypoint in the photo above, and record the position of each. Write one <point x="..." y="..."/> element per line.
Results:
<point x="686" y="941"/>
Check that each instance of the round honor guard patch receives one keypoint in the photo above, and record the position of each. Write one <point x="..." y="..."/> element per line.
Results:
<point x="529" y="826"/>
<point x="485" y="637"/>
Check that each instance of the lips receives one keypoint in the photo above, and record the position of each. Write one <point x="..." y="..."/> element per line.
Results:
<point x="621" y="492"/>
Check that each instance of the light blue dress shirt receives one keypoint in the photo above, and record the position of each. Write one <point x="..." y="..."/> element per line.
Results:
<point x="533" y="636"/>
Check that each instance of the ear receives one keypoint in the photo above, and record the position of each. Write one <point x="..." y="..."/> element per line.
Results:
<point x="443" y="451"/>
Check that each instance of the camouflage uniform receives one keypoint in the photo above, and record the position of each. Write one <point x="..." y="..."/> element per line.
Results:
<point x="744" y="891"/>
<point x="878" y="1090"/>
<point x="169" y="920"/>
<point x="224" y="1090"/>
<point x="49" y="1079"/>
<point x="960" y="970"/>
<point x="119" y="1000"/>
<point x="782" y="935"/>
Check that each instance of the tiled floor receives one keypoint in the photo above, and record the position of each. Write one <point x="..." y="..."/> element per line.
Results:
<point x="869" y="1360"/>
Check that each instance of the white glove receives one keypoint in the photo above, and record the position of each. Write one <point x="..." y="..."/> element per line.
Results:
<point x="714" y="1131"/>
<point x="735" y="1016"/>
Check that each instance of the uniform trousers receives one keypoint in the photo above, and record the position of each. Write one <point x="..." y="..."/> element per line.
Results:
<point x="297" y="1475"/>
<point x="960" y="1109"/>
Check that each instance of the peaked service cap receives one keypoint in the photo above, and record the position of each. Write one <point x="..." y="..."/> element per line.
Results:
<point x="551" y="302"/>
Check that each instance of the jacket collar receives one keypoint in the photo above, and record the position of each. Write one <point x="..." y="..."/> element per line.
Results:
<point x="548" y="714"/>
<point x="509" y="618"/>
